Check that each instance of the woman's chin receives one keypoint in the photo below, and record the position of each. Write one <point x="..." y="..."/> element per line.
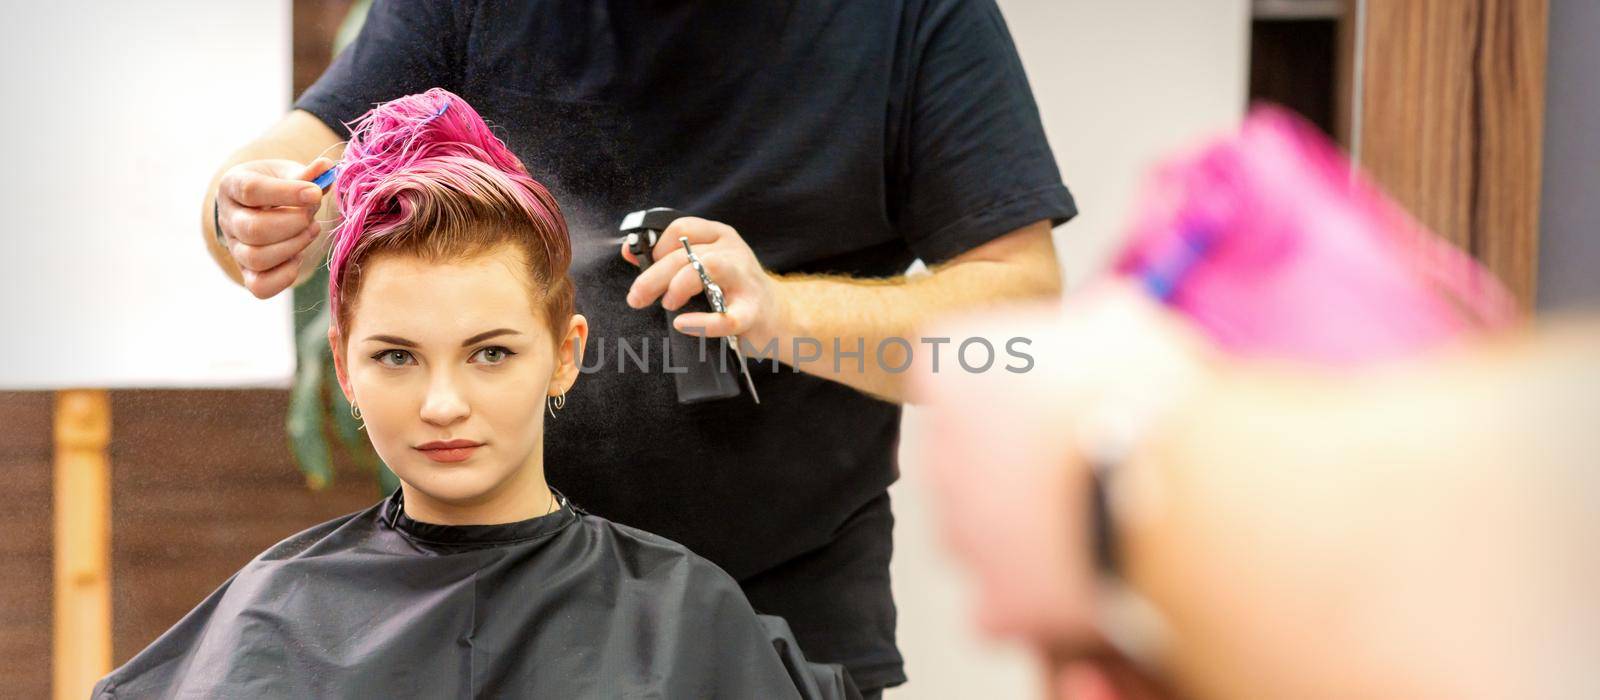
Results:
<point x="462" y="484"/>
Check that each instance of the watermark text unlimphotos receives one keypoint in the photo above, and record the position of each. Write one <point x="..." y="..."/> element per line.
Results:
<point x="892" y="354"/>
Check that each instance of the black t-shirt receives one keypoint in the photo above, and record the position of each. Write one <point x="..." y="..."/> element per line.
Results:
<point x="836" y="136"/>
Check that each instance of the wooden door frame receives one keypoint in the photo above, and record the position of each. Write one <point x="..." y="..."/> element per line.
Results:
<point x="1447" y="114"/>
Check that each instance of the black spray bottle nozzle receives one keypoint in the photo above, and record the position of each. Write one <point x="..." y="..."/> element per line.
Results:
<point x="642" y="229"/>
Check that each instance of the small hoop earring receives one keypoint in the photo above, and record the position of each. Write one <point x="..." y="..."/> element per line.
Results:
<point x="555" y="403"/>
<point x="355" y="412"/>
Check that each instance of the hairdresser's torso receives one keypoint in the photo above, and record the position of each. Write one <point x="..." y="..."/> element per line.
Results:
<point x="619" y="109"/>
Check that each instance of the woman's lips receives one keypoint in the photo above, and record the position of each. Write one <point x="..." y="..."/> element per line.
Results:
<point x="450" y="454"/>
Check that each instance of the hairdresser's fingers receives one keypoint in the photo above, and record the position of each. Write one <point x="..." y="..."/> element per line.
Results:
<point x="314" y="168"/>
<point x="627" y="254"/>
<point x="268" y="183"/>
<point x="259" y="227"/>
<point x="260" y="258"/>
<point x="755" y="309"/>
<point x="652" y="283"/>
<point x="699" y="232"/>
<point x="710" y="325"/>
<point x="265" y="285"/>
<point x="744" y="310"/>
<point x="684" y="285"/>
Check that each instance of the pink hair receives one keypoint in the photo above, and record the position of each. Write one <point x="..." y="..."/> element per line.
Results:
<point x="1276" y="247"/>
<point x="423" y="175"/>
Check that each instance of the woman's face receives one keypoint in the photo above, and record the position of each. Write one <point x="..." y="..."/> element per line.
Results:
<point x="441" y="352"/>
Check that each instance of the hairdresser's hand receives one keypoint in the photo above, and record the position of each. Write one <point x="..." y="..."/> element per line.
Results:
<point x="268" y="209"/>
<point x="755" y="309"/>
<point x="1004" y="452"/>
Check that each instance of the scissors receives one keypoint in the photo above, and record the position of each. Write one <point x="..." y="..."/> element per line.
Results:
<point x="719" y="305"/>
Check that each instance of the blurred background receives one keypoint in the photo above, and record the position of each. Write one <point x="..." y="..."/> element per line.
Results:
<point x="1480" y="116"/>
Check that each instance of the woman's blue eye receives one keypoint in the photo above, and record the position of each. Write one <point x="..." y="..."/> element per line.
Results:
<point x="400" y="355"/>
<point x="494" y="355"/>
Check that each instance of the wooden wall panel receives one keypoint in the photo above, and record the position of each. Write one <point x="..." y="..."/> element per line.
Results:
<point x="1452" y="107"/>
<point x="25" y="519"/>
<point x="1511" y="66"/>
<point x="201" y="482"/>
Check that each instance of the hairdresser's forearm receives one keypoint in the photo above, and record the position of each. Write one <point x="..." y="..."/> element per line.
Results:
<point x="823" y="312"/>
<point x="300" y="137"/>
<point x="1396" y="534"/>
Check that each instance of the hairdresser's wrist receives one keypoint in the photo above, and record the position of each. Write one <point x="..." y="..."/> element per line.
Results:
<point x="779" y="322"/>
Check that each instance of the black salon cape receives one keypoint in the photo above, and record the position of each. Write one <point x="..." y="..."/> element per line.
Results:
<point x="568" y="605"/>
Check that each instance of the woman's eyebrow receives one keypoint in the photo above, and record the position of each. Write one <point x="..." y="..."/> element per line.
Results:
<point x="396" y="340"/>
<point x="392" y="340"/>
<point x="489" y="334"/>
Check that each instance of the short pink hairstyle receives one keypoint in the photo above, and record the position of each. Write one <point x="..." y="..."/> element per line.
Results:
<point x="424" y="176"/>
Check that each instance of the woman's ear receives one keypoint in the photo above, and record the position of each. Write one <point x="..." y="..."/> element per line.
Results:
<point x="569" y="355"/>
<point x="338" y="363"/>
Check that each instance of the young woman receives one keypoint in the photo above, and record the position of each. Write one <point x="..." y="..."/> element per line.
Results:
<point x="455" y="336"/>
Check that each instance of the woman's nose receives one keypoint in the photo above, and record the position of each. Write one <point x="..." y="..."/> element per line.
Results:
<point x="444" y="403"/>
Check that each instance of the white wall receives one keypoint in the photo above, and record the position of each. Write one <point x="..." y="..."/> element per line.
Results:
<point x="116" y="114"/>
<point x="1119" y="83"/>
